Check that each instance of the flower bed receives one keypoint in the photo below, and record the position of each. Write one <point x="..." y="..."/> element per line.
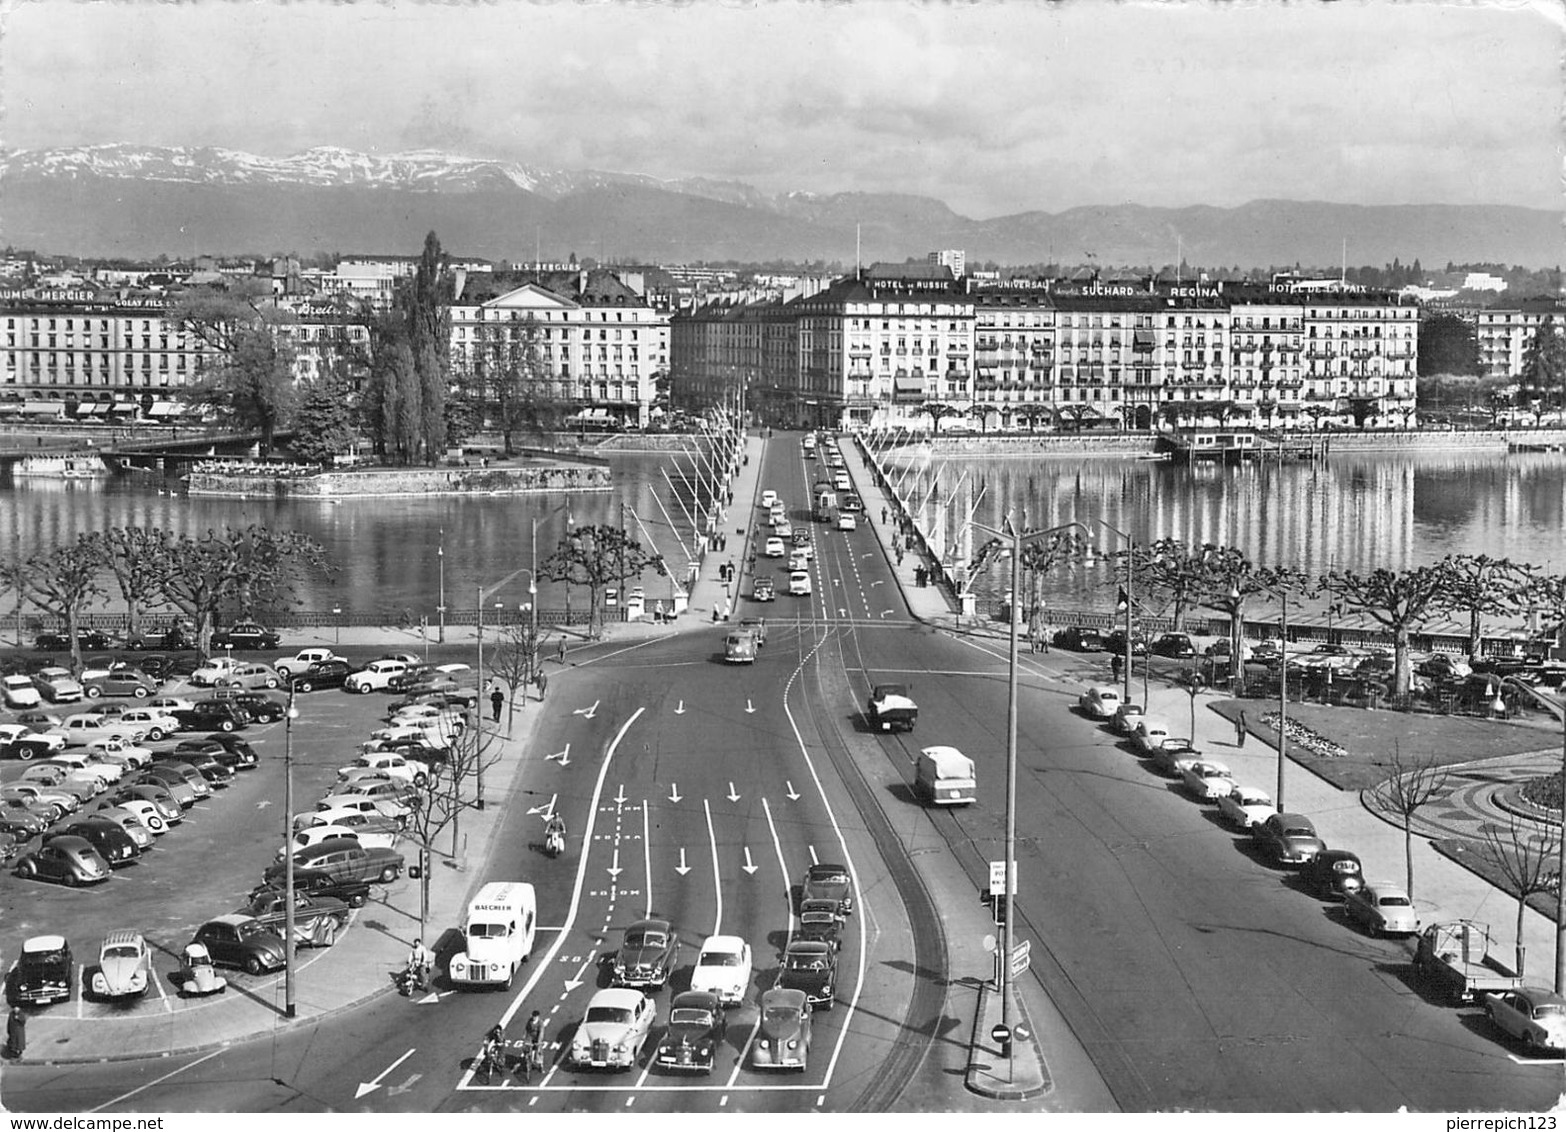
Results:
<point x="1306" y="739"/>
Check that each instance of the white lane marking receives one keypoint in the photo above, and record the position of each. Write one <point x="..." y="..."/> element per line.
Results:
<point x="367" y="1087"/>
<point x="647" y="857"/>
<point x="158" y="1081"/>
<point x="717" y="876"/>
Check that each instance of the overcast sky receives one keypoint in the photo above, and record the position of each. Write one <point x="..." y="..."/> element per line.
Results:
<point x="993" y="107"/>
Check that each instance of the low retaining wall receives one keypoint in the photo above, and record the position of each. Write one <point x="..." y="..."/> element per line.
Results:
<point x="404" y="481"/>
<point x="1144" y="444"/>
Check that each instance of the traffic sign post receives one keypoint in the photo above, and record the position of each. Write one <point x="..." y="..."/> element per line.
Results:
<point x="1001" y="1035"/>
<point x="998" y="878"/>
<point x="1019" y="957"/>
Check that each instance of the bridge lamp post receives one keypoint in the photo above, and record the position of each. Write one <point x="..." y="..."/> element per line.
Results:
<point x="1018" y="540"/>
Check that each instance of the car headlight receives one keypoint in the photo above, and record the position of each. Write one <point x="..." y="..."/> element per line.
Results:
<point x="793" y="1043"/>
<point x="704" y="1051"/>
<point x="766" y="1043"/>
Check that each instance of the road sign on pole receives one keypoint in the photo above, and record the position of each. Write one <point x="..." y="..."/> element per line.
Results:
<point x="1019" y="957"/>
<point x="998" y="878"/>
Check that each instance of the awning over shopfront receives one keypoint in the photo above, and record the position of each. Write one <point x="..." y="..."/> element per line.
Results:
<point x="907" y="388"/>
<point x="124" y="409"/>
<point x="43" y="408"/>
<point x="91" y="409"/>
<point x="165" y="409"/>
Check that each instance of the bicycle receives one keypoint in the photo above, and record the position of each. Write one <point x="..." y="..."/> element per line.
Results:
<point x="492" y="1061"/>
<point x="532" y="1059"/>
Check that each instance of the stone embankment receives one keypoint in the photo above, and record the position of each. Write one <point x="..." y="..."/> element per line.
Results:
<point x="1143" y="445"/>
<point x="524" y="479"/>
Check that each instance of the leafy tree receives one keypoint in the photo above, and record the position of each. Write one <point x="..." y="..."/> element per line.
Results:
<point x="245" y="569"/>
<point x="134" y="556"/>
<point x="1174" y="570"/>
<point x="1398" y="601"/>
<point x="423" y="304"/>
<point x="597" y="557"/>
<point x="1544" y="362"/>
<point x="506" y="379"/>
<point x="61" y="581"/>
<point x="248" y="378"/>
<point x="1447" y="345"/>
<point x="392" y="403"/>
<point x="936" y="410"/>
<point x="1477" y="584"/>
<point x="324" y="425"/>
<point x="1229" y="580"/>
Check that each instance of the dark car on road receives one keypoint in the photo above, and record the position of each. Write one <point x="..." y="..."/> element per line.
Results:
<point x="235" y="744"/>
<point x="244" y="759"/>
<point x="1288" y="839"/>
<point x="820" y="922"/>
<point x="314" y="882"/>
<point x="241" y="941"/>
<point x="259" y="707"/>
<point x="647" y="955"/>
<point x="828" y="882"/>
<point x="208" y="715"/>
<point x="694" y="1035"/>
<point x="1079" y="639"/>
<point x="321" y="674"/>
<point x="245" y="635"/>
<point x="1176" y="645"/>
<point x="208" y="765"/>
<point x="811" y="966"/>
<point x="58" y="642"/>
<point x="1115" y="643"/>
<point x="343" y="859"/>
<point x="109" y="838"/>
<point x="1333" y="873"/>
<point x="44" y="973"/>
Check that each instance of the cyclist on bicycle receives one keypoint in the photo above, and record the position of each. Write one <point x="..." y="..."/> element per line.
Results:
<point x="535" y="1031"/>
<point x="490" y="1055"/>
<point x="533" y="1044"/>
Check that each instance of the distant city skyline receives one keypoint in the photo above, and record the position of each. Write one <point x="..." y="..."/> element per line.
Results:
<point x="994" y="108"/>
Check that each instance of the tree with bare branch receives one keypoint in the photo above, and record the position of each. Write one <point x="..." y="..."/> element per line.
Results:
<point x="1525" y="853"/>
<point x="515" y="663"/>
<point x="1477" y="584"/>
<point x="1397" y="600"/>
<point x="1414" y="783"/>
<point x="462" y="755"/>
<point x="133" y="555"/>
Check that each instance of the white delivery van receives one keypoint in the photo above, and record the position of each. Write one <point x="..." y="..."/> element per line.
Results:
<point x="943" y="776"/>
<point x="502" y="920"/>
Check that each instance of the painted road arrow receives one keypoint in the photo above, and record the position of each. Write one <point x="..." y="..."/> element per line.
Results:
<point x="620" y="798"/>
<point x="367" y="1087"/>
<point x="398" y="1090"/>
<point x="681" y="709"/>
<point x="614" y="870"/>
<point x="793" y="795"/>
<point x="263" y="804"/>
<point x="682" y="868"/>
<point x="733" y="793"/>
<point x="587" y="712"/>
<point x="750" y="866"/>
<point x="750" y="708"/>
<point x="549" y="809"/>
<point x="434" y="996"/>
<point x="564" y="756"/>
<point x="674" y="793"/>
<point x="592" y="957"/>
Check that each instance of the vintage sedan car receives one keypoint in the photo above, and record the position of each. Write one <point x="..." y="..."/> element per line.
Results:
<point x="46" y="799"/>
<point x="213" y="715"/>
<point x="398" y="768"/>
<point x="168" y="705"/>
<point x="124" y="966"/>
<point x="647" y="954"/>
<point x="60" y="780"/>
<point x="119" y="682"/>
<point x="1126" y="717"/>
<point x="811" y="966"/>
<point x="694" y="1035"/>
<point x="763" y="589"/>
<point x="774" y="548"/>
<point x="212" y="670"/>
<point x="345" y="859"/>
<point x="38" y="722"/>
<point x="139" y="795"/>
<point x="392" y="808"/>
<point x="315" y="834"/>
<point x="1440" y="666"/>
<point x="1333" y="874"/>
<point x="1207" y="780"/>
<point x="57" y="685"/>
<point x="1100" y="701"/>
<point x="320" y="674"/>
<point x="798" y="560"/>
<point x="1176" y="645"/>
<point x="1115" y="643"/>
<point x="739" y="647"/>
<point x="1288" y="839"/>
<point x="218" y="774"/>
<point x="288" y="666"/>
<point x="820" y="921"/>
<point x="1534" y="1016"/>
<point x="614" y="1030"/>
<point x="313" y="882"/>
<point x="156" y="723"/>
<point x="245" y="635"/>
<point x="378" y="675"/>
<point x="723" y="968"/>
<point x="23" y="819"/>
<point x="133" y="825"/>
<point x="18" y="692"/>
<point x="1246" y="807"/>
<point x="364" y="826"/>
<point x="70" y="860"/>
<point x="224" y="747"/>
<point x="1383" y="908"/>
<point x="112" y="843"/>
<point x="45" y="972"/>
<point x="768" y="498"/>
<point x="237" y="940"/>
<point x="175" y="771"/>
<point x="825" y="881"/>
<point x="846" y="521"/>
<point x="1079" y="639"/>
<point x="784" y="1040"/>
<point x="1149" y="734"/>
<point x="250" y="676"/>
<point x="260" y="707"/>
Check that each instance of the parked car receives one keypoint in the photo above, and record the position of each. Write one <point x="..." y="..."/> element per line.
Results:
<point x="1126" y="717"/>
<point x="375" y="676"/>
<point x="694" y="1035"/>
<point x="1443" y="667"/>
<point x="174" y="782"/>
<point x="313" y="882"/>
<point x="321" y="674"/>
<point x="1207" y="780"/>
<point x="1149" y="734"/>
<point x="218" y="773"/>
<point x="259" y="707"/>
<point x="156" y="724"/>
<point x="1333" y="873"/>
<point x="614" y="1030"/>
<point x="1531" y="1015"/>
<point x="1246" y="807"/>
<point x="134" y="826"/>
<point x="810" y="966"/>
<point x="1383" y="908"/>
<point x="251" y="677"/>
<point x="18" y="691"/>
<point x="19" y="741"/>
<point x="234" y="745"/>
<point x="1176" y="645"/>
<point x="88" y="726"/>
<point x="70" y="860"/>
<point x="784" y="1039"/>
<point x="647" y="955"/>
<point x="110" y="841"/>
<point x="241" y="941"/>
<point x="723" y="968"/>
<point x="366" y="826"/>
<point x="57" y="685"/>
<point x="392" y="808"/>
<point x="1289" y="839"/>
<point x="124" y="966"/>
<point x="245" y="635"/>
<point x="1079" y="639"/>
<point x="289" y="665"/>
<point x="1115" y="644"/>
<point x="45" y="972"/>
<point x="120" y="682"/>
<point x="345" y="860"/>
<point x="1100" y="701"/>
<point x="396" y="767"/>
<point x="138" y="796"/>
<point x="23" y="817"/>
<point x="208" y="715"/>
<point x="211" y="670"/>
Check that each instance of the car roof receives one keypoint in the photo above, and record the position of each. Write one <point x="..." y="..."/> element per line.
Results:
<point x="809" y="947"/>
<point x="623" y="997"/>
<point x="723" y="943"/>
<point x="122" y="937"/>
<point x="42" y="943"/>
<point x="651" y="925"/>
<point x="783" y="996"/>
<point x="696" y="1000"/>
<point x="231" y="918"/>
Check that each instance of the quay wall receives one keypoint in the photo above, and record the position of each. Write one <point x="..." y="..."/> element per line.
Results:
<point x="537" y="478"/>
<point x="1141" y="445"/>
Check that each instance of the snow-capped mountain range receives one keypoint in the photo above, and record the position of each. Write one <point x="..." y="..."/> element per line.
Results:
<point x="137" y="201"/>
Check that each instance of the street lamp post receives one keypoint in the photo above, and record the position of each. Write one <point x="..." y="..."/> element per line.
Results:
<point x="337" y="624"/>
<point x="440" y="557"/>
<point x="289" y="1008"/>
<point x="1283" y="684"/>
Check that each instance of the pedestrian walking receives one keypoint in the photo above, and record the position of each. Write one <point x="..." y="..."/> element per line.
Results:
<point x="543" y="685"/>
<point x="1117" y="665"/>
<point x="883" y="516"/>
<point x="497" y="700"/>
<point x="1240" y="729"/>
<point x="16" y="1033"/>
<point x="560" y="650"/>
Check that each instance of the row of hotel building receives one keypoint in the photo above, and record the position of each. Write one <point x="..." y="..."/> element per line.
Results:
<point x="886" y="345"/>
